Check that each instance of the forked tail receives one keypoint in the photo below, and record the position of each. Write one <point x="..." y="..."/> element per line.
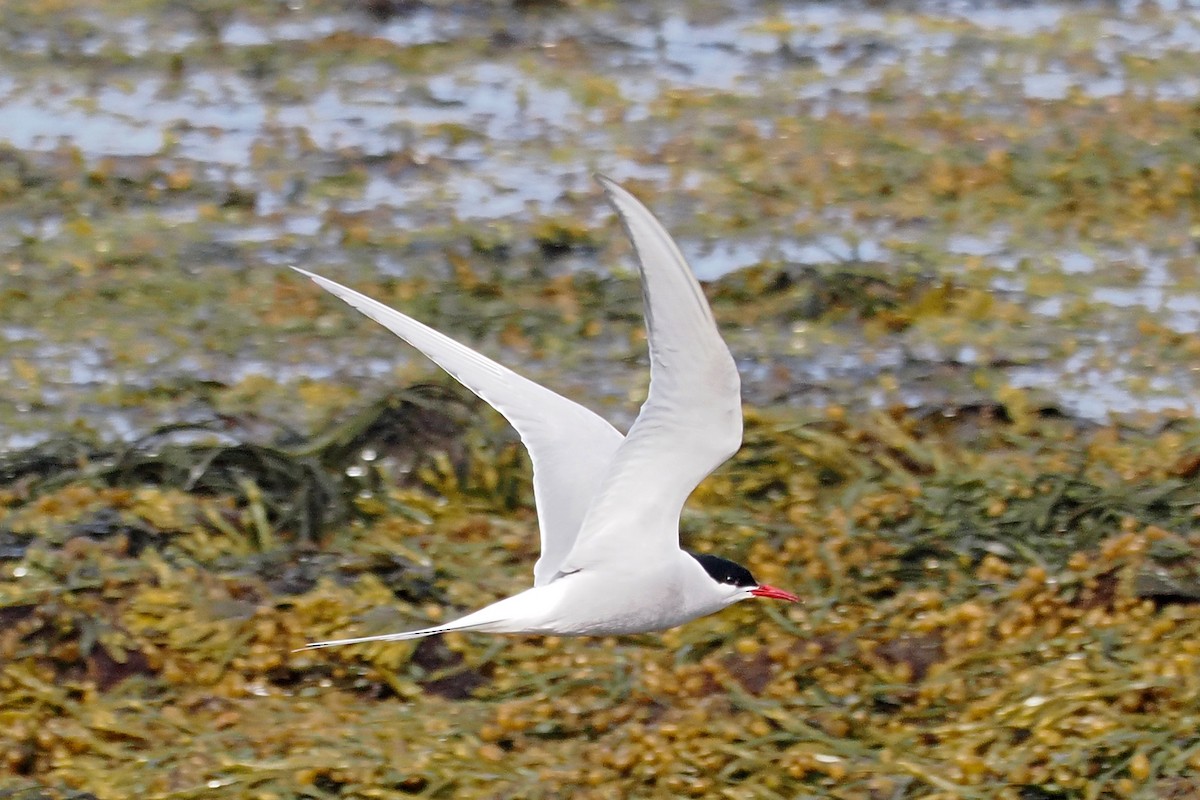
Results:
<point x="389" y="637"/>
<point x="521" y="612"/>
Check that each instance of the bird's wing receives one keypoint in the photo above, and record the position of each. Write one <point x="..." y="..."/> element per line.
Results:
<point x="570" y="446"/>
<point x="691" y="421"/>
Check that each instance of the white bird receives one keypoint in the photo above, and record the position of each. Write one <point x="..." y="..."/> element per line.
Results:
<point x="608" y="505"/>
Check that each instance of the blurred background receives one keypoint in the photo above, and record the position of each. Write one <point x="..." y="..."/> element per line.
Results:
<point x="952" y="246"/>
<point x="162" y="164"/>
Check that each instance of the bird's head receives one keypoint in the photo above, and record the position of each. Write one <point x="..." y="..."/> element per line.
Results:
<point x="734" y="582"/>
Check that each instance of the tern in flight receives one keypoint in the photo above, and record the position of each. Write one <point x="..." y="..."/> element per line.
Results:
<point x="608" y="505"/>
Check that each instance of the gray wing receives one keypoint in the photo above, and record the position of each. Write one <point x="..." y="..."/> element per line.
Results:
<point x="691" y="421"/>
<point x="569" y="445"/>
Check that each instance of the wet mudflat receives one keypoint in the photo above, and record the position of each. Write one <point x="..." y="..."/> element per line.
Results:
<point x="953" y="248"/>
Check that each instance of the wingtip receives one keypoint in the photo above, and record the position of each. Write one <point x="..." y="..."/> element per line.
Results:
<point x="620" y="198"/>
<point x="612" y="189"/>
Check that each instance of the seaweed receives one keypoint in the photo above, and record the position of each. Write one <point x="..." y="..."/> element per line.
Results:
<point x="295" y="486"/>
<point x="974" y="614"/>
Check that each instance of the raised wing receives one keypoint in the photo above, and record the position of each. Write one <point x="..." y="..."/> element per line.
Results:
<point x="691" y="421"/>
<point x="570" y="446"/>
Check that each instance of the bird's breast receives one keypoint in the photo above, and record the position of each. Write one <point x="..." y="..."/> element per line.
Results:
<point x="594" y="605"/>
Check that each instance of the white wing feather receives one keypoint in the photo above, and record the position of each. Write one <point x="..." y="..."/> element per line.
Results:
<point x="569" y="445"/>
<point x="691" y="421"/>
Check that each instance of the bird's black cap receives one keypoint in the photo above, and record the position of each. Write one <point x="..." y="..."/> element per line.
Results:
<point x="722" y="570"/>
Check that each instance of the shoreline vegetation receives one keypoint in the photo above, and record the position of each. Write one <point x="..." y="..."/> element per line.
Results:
<point x="986" y="600"/>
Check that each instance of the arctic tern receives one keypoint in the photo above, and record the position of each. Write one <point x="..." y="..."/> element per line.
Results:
<point x="608" y="505"/>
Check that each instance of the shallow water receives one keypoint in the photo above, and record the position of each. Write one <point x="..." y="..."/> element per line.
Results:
<point x="201" y="152"/>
